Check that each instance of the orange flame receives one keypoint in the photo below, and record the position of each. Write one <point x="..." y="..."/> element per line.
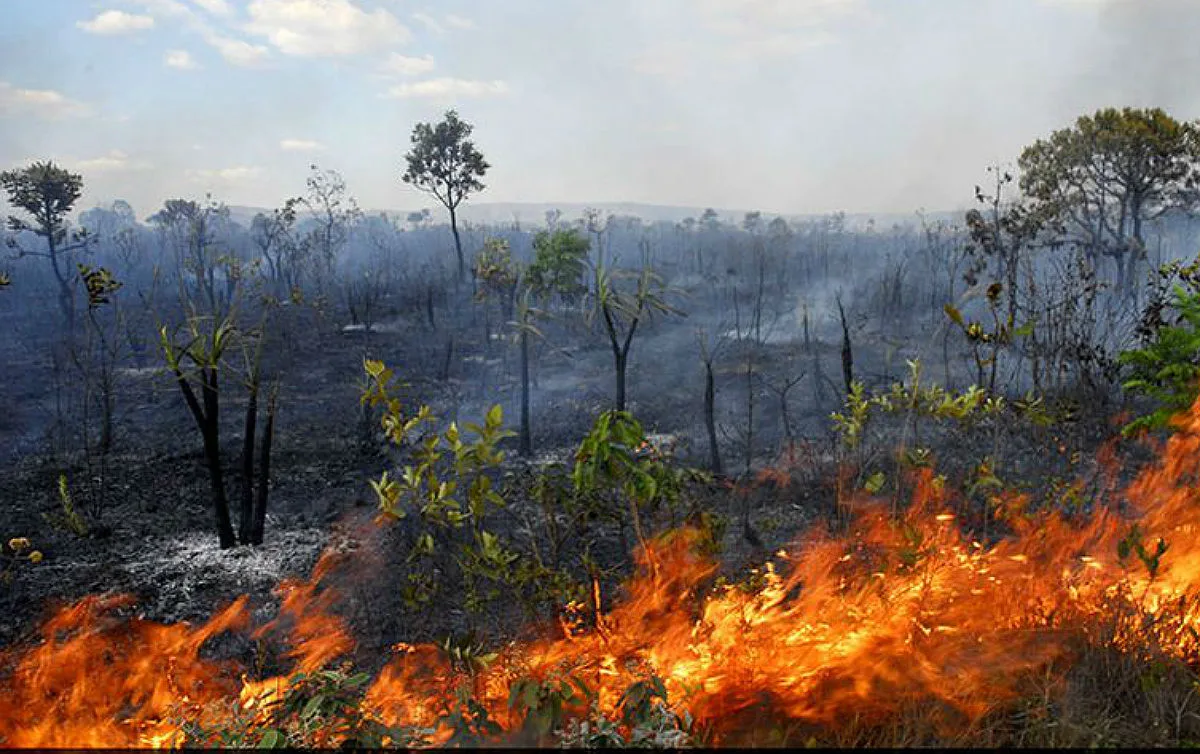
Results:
<point x="890" y="613"/>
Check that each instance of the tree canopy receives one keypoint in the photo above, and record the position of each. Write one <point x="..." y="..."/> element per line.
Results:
<point x="444" y="162"/>
<point x="1098" y="181"/>
<point x="46" y="192"/>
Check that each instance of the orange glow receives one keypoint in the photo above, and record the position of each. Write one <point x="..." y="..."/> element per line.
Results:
<point x="859" y="625"/>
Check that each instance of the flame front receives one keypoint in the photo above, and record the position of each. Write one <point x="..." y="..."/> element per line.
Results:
<point x="861" y="625"/>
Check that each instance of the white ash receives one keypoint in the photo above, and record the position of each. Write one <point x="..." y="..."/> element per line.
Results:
<point x="181" y="565"/>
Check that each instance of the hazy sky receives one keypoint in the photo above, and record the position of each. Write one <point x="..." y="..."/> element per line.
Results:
<point x="791" y="106"/>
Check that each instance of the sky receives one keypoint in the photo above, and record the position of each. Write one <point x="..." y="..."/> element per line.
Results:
<point x="785" y="106"/>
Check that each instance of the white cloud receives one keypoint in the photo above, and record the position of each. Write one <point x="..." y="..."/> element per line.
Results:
<point x="450" y="20"/>
<point x="235" y="51"/>
<point x="162" y="7"/>
<point x="430" y="22"/>
<point x="401" y="65"/>
<point x="39" y="103"/>
<point x="300" y="145"/>
<point x="115" y="161"/>
<point x="324" y="28"/>
<point x="116" y="22"/>
<point x="238" y="174"/>
<point x="215" y="7"/>
<point x="181" y="59"/>
<point x="448" y="88"/>
<point x="238" y="52"/>
<point x="459" y="22"/>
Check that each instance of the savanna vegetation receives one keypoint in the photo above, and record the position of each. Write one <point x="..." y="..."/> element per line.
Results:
<point x="608" y="481"/>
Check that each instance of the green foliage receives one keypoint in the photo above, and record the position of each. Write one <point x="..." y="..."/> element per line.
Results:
<point x="45" y="191"/>
<point x="559" y="263"/>
<point x="450" y="486"/>
<point x="615" y="306"/>
<point x="468" y="720"/>
<point x="1167" y="369"/>
<point x="207" y="340"/>
<point x="1132" y="543"/>
<point x="1149" y="164"/>
<point x="69" y="519"/>
<point x="1001" y="333"/>
<point x="495" y="269"/>
<point x="852" y="423"/>
<point x="317" y="710"/>
<point x="615" y="453"/>
<point x="544" y="705"/>
<point x="444" y="162"/>
<point x="424" y="487"/>
<point x="646" y="722"/>
<point x="465" y="654"/>
<point x="99" y="284"/>
<point x="927" y="401"/>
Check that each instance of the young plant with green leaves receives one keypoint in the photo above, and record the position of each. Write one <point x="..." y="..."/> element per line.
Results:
<point x="615" y="461"/>
<point x="323" y="709"/>
<point x="449" y="487"/>
<point x="1167" y="368"/>
<point x="560" y="259"/>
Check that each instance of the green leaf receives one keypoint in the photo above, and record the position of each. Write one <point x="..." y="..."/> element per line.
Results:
<point x="272" y="739"/>
<point x="875" y="483"/>
<point x="313" y="708"/>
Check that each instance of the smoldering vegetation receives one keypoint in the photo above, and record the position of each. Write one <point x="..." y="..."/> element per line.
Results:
<point x="259" y="369"/>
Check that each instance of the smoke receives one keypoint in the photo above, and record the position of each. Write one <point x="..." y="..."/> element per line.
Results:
<point x="1148" y="54"/>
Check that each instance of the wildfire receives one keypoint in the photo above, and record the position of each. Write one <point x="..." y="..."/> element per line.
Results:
<point x="891" y="614"/>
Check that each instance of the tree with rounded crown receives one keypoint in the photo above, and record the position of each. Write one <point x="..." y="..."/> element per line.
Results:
<point x="48" y="193"/>
<point x="1098" y="182"/>
<point x="444" y="162"/>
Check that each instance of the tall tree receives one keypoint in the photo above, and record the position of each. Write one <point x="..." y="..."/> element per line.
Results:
<point x="444" y="162"/>
<point x="48" y="193"/>
<point x="334" y="215"/>
<point x="1100" y="180"/>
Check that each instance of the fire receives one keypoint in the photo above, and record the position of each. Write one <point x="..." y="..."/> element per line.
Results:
<point x="861" y="625"/>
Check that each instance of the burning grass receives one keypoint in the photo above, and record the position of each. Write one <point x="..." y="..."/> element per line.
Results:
<point x="1072" y="630"/>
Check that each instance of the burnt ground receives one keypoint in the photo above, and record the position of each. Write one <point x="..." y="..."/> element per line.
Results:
<point x="150" y="522"/>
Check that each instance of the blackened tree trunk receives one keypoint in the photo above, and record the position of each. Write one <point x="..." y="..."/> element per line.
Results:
<point x="264" y="472"/>
<point x="620" y="363"/>
<point x="462" y="263"/>
<point x="847" y="352"/>
<point x="207" y="417"/>
<point x="526" y="433"/>
<point x="246" y="522"/>
<point x="710" y="423"/>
